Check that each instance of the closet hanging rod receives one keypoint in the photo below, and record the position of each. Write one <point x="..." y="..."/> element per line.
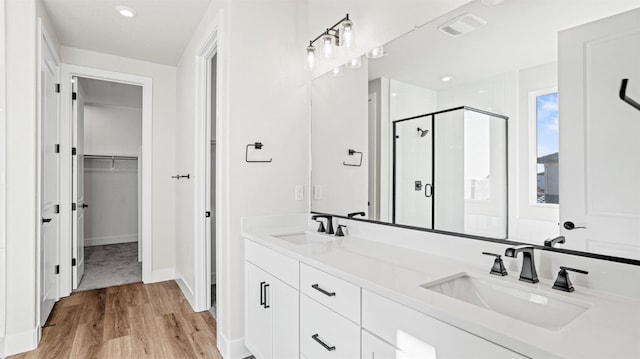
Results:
<point x="107" y="157"/>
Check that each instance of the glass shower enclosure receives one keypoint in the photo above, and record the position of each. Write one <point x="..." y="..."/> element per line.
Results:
<point x="450" y="172"/>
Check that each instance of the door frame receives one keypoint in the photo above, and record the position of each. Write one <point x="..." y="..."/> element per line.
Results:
<point x="66" y="74"/>
<point x="44" y="40"/>
<point x="211" y="45"/>
<point x="3" y="178"/>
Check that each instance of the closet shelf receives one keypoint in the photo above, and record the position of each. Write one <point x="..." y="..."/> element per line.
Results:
<point x="109" y="157"/>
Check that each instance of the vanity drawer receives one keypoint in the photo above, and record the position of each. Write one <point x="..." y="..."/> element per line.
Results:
<point x="337" y="294"/>
<point x="418" y="335"/>
<point x="326" y="334"/>
<point x="272" y="262"/>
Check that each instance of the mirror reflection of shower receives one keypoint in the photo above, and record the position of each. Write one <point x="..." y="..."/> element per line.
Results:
<point x="422" y="132"/>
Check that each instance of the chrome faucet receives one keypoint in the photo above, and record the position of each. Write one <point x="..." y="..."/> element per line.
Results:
<point x="329" y="219"/>
<point x="528" y="272"/>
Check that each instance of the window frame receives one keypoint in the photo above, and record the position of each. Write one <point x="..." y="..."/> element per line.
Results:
<point x="532" y="155"/>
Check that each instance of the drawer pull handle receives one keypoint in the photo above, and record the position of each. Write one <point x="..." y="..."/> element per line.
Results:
<point x="317" y="339"/>
<point x="262" y="301"/>
<point x="266" y="296"/>
<point x="317" y="287"/>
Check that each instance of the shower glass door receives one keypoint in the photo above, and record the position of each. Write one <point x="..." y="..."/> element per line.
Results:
<point x="413" y="172"/>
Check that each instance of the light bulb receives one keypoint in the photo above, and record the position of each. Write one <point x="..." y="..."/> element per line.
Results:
<point x="354" y="63"/>
<point x="126" y="11"/>
<point x="347" y="33"/>
<point x="337" y="71"/>
<point x="311" y="57"/>
<point x="376" y="52"/>
<point x="446" y="78"/>
<point x="327" y="46"/>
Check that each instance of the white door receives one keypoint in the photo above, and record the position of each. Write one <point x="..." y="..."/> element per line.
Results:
<point x="599" y="147"/>
<point x="78" y="184"/>
<point x="50" y="185"/>
<point x="259" y="312"/>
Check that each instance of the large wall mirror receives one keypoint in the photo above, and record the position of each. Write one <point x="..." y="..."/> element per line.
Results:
<point x="503" y="121"/>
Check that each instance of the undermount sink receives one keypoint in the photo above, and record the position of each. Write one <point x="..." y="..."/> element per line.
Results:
<point x="302" y="238"/>
<point x="528" y="305"/>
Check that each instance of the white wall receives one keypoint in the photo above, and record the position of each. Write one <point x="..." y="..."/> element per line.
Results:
<point x="111" y="130"/>
<point x="265" y="102"/>
<point x="164" y="126"/>
<point x="3" y="141"/>
<point x="111" y="188"/>
<point x="21" y="173"/>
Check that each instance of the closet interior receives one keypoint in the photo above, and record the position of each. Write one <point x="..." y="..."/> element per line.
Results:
<point x="111" y="131"/>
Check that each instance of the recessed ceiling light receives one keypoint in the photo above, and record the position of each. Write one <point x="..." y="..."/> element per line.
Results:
<point x="446" y="78"/>
<point x="126" y="11"/>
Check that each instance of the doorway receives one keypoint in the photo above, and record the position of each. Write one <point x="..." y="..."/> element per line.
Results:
<point x="107" y="138"/>
<point x="212" y="179"/>
<point x="72" y="252"/>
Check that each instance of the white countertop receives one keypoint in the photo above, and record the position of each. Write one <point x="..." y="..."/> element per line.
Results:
<point x="610" y="328"/>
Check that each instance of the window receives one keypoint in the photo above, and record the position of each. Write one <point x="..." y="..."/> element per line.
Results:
<point x="547" y="148"/>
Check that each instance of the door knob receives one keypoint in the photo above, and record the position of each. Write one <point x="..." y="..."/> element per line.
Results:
<point x="569" y="226"/>
<point x="46" y="220"/>
<point x="84" y="205"/>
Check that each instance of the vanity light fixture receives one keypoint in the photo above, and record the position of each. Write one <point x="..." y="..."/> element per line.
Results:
<point x="354" y="63"/>
<point x="340" y="34"/>
<point x="376" y="52"/>
<point x="126" y="11"/>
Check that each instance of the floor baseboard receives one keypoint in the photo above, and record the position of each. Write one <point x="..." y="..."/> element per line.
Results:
<point x="102" y="241"/>
<point x="21" y="342"/>
<point x="232" y="349"/>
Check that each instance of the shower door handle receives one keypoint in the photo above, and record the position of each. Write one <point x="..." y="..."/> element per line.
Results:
<point x="428" y="190"/>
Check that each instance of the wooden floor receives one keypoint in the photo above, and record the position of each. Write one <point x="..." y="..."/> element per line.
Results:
<point x="129" y="321"/>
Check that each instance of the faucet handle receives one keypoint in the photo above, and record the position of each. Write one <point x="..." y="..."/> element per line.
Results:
<point x="339" y="232"/>
<point x="498" y="266"/>
<point x="563" y="282"/>
<point x="321" y="226"/>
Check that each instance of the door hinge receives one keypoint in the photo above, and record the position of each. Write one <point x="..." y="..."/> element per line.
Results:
<point x="57" y="269"/>
<point x="73" y="262"/>
<point x="73" y="151"/>
<point x="57" y="208"/>
<point x="207" y="214"/>
<point x="57" y="148"/>
<point x="73" y="206"/>
<point x="58" y="88"/>
<point x="74" y="96"/>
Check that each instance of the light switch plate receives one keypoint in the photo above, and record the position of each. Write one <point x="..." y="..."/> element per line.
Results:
<point x="299" y="192"/>
<point x="317" y="191"/>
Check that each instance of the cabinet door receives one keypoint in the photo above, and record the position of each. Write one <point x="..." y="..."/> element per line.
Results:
<point x="285" y="320"/>
<point x="259" y="312"/>
<point x="376" y="348"/>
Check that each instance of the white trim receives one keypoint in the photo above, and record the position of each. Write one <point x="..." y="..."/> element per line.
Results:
<point x="212" y="45"/>
<point x="186" y="290"/>
<point x="21" y="342"/>
<point x="146" y="240"/>
<point x="162" y="275"/>
<point x="3" y="181"/>
<point x="235" y="349"/>
<point x="102" y="241"/>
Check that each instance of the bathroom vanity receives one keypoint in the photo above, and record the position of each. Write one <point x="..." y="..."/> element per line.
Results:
<point x="324" y="296"/>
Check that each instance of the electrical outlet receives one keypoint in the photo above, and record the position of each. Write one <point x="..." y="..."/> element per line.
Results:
<point x="317" y="191"/>
<point x="299" y="192"/>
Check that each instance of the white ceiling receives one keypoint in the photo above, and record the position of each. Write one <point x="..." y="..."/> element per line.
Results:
<point x="159" y="33"/>
<point x="98" y="92"/>
<point x="519" y="34"/>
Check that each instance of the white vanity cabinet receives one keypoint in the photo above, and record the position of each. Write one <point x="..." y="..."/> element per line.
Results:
<point x="271" y="305"/>
<point x="411" y="334"/>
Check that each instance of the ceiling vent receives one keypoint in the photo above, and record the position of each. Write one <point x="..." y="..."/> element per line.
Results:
<point x="461" y="25"/>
